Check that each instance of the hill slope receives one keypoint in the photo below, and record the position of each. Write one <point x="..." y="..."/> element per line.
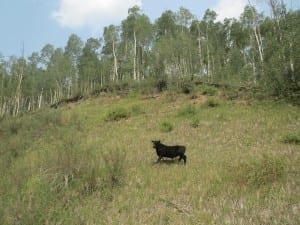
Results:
<point x="93" y="163"/>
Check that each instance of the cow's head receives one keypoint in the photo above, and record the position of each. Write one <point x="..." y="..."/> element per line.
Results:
<point x="156" y="143"/>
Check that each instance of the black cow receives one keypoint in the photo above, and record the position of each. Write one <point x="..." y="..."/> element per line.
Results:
<point x="169" y="151"/>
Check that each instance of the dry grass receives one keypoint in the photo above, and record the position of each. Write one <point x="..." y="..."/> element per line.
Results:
<point x="207" y="190"/>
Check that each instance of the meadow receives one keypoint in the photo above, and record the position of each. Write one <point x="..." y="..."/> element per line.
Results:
<point x="93" y="163"/>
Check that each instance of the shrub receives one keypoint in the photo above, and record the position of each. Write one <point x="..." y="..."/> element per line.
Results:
<point x="166" y="126"/>
<point x="212" y="102"/>
<point x="292" y="138"/>
<point x="210" y="91"/>
<point x="117" y="114"/>
<point x="161" y="85"/>
<point x="187" y="87"/>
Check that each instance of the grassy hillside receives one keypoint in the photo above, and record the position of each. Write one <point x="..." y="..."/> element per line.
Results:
<point x="93" y="162"/>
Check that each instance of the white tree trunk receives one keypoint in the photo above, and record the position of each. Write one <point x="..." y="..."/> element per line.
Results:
<point x="40" y="99"/>
<point x="134" y="57"/>
<point x="19" y="87"/>
<point x="200" y="56"/>
<point x="115" y="75"/>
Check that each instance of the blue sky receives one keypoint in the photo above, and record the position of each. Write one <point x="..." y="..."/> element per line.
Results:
<point x="36" y="23"/>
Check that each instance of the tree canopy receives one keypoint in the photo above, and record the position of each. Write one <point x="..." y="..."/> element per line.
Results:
<point x="254" y="50"/>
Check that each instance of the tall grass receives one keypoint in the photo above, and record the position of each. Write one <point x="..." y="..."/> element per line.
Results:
<point x="166" y="126"/>
<point x="258" y="172"/>
<point x="56" y="172"/>
<point x="187" y="111"/>
<point x="80" y="166"/>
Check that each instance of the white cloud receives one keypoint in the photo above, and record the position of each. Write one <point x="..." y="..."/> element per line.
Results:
<point x="92" y="13"/>
<point x="229" y="8"/>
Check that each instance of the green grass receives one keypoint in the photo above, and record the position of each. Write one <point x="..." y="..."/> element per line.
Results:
<point x="117" y="114"/>
<point x="94" y="163"/>
<point x="187" y="111"/>
<point x="292" y="138"/>
<point x="166" y="126"/>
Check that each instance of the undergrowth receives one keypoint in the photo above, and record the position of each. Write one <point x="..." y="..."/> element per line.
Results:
<point x="46" y="180"/>
<point x="93" y="163"/>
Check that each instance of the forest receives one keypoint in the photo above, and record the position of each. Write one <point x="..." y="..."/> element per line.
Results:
<point x="254" y="51"/>
<point x="77" y="123"/>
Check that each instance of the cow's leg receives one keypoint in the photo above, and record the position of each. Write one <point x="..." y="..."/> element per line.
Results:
<point x="158" y="160"/>
<point x="182" y="157"/>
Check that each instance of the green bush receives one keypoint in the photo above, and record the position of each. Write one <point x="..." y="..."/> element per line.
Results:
<point x="166" y="126"/>
<point x="292" y="138"/>
<point x="117" y="114"/>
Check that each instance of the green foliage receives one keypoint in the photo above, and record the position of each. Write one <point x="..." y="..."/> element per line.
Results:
<point x="195" y="123"/>
<point x="166" y="126"/>
<point x="101" y="172"/>
<point x="292" y="138"/>
<point x="187" y="87"/>
<point x="117" y="114"/>
<point x="136" y="110"/>
<point x="209" y="90"/>
<point x="187" y="111"/>
<point x="57" y="172"/>
<point x="120" y="113"/>
<point x="147" y="56"/>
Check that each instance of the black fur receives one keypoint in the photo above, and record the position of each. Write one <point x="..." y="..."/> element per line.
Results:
<point x="169" y="151"/>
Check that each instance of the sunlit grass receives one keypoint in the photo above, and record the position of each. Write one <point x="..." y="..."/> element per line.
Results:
<point x="80" y="166"/>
